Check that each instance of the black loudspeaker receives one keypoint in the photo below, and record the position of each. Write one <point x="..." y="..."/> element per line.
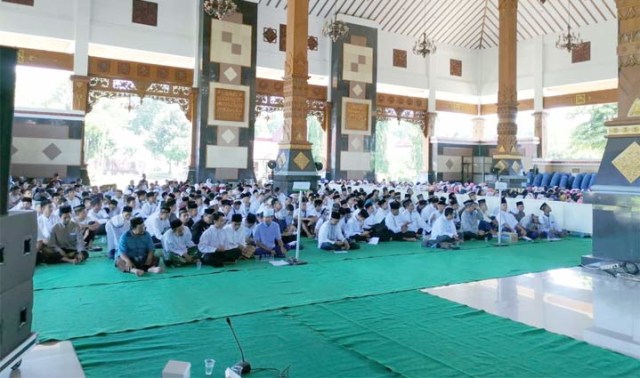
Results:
<point x="8" y="60"/>
<point x="18" y="234"/>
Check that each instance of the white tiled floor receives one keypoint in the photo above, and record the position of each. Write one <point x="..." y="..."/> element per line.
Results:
<point x="583" y="304"/>
<point x="50" y="360"/>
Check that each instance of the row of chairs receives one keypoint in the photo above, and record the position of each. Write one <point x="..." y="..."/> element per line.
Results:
<point x="582" y="181"/>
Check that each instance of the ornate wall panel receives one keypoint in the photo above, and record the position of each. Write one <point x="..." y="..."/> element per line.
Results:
<point x="228" y="98"/>
<point x="45" y="143"/>
<point x="353" y="93"/>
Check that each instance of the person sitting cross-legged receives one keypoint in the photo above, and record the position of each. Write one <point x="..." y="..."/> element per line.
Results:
<point x="470" y="222"/>
<point x="549" y="225"/>
<point x="177" y="246"/>
<point x="331" y="238"/>
<point x="116" y="227"/>
<point x="65" y="242"/>
<point x="215" y="244"/>
<point x="238" y="236"/>
<point x="443" y="232"/>
<point x="136" y="251"/>
<point x="267" y="237"/>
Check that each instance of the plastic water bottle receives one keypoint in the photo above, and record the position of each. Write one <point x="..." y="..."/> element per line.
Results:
<point x="198" y="264"/>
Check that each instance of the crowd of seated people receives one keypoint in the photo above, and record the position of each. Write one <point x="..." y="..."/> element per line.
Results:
<point x="218" y="224"/>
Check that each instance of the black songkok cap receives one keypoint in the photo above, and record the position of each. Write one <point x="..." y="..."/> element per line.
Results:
<point x="394" y="205"/>
<point x="175" y="223"/>
<point x="135" y="222"/>
<point x="544" y="204"/>
<point x="65" y="210"/>
<point x="208" y="211"/>
<point x="335" y="215"/>
<point x="236" y="218"/>
<point x="127" y="209"/>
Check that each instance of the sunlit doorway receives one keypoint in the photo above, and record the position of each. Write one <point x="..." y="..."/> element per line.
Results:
<point x="398" y="155"/>
<point x="126" y="138"/>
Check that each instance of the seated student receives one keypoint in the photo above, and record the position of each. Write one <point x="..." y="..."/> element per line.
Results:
<point x="157" y="223"/>
<point x="470" y="223"/>
<point x="304" y="216"/>
<point x="202" y="225"/>
<point x="65" y="242"/>
<point x="443" y="232"/>
<point x="409" y="214"/>
<point x="116" y="227"/>
<point x="177" y="246"/>
<point x="88" y="227"/>
<point x="519" y="214"/>
<point x="397" y="225"/>
<point x="267" y="237"/>
<point x="531" y="223"/>
<point x="330" y="237"/>
<point x="355" y="227"/>
<point x="150" y="206"/>
<point x="249" y="226"/>
<point x="46" y="220"/>
<point x="549" y="224"/>
<point x="136" y="251"/>
<point x="238" y="236"/>
<point x="215" y="244"/>
<point x="25" y="204"/>
<point x="509" y="222"/>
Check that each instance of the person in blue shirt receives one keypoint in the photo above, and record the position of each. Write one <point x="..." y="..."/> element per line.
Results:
<point x="267" y="237"/>
<point x="136" y="251"/>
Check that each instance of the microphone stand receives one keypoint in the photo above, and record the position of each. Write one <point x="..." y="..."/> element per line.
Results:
<point x="296" y="260"/>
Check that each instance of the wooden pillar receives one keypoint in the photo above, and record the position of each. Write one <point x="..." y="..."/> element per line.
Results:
<point x="295" y="160"/>
<point x="193" y="117"/>
<point x="507" y="159"/>
<point x="617" y="186"/>
<point x="326" y="126"/>
<point x="428" y="130"/>
<point x="540" y="132"/>
<point x="81" y="103"/>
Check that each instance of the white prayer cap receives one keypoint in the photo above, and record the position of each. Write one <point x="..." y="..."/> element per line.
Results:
<point x="267" y="213"/>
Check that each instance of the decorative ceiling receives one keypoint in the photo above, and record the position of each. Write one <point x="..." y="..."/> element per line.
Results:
<point x="470" y="24"/>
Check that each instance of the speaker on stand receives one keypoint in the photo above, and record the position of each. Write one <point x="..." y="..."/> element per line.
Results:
<point x="18" y="234"/>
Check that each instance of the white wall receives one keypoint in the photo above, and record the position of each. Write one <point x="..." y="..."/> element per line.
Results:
<point x="557" y="67"/>
<point x="52" y="18"/>
<point x="175" y="34"/>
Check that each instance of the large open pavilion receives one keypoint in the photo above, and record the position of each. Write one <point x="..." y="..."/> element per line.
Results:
<point x="346" y="93"/>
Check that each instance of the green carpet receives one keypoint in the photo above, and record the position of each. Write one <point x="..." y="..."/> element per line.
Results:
<point x="419" y="335"/>
<point x="407" y="334"/>
<point x="270" y="340"/>
<point x="156" y="301"/>
<point x="97" y="270"/>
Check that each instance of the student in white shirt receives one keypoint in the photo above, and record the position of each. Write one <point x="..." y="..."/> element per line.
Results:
<point x="157" y="224"/>
<point x="397" y="225"/>
<point x="215" y="244"/>
<point x="549" y="224"/>
<point x="443" y="233"/>
<point x="354" y="229"/>
<point x="115" y="228"/>
<point x="238" y="236"/>
<point x="330" y="237"/>
<point x="409" y="214"/>
<point x="177" y="246"/>
<point x="150" y="206"/>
